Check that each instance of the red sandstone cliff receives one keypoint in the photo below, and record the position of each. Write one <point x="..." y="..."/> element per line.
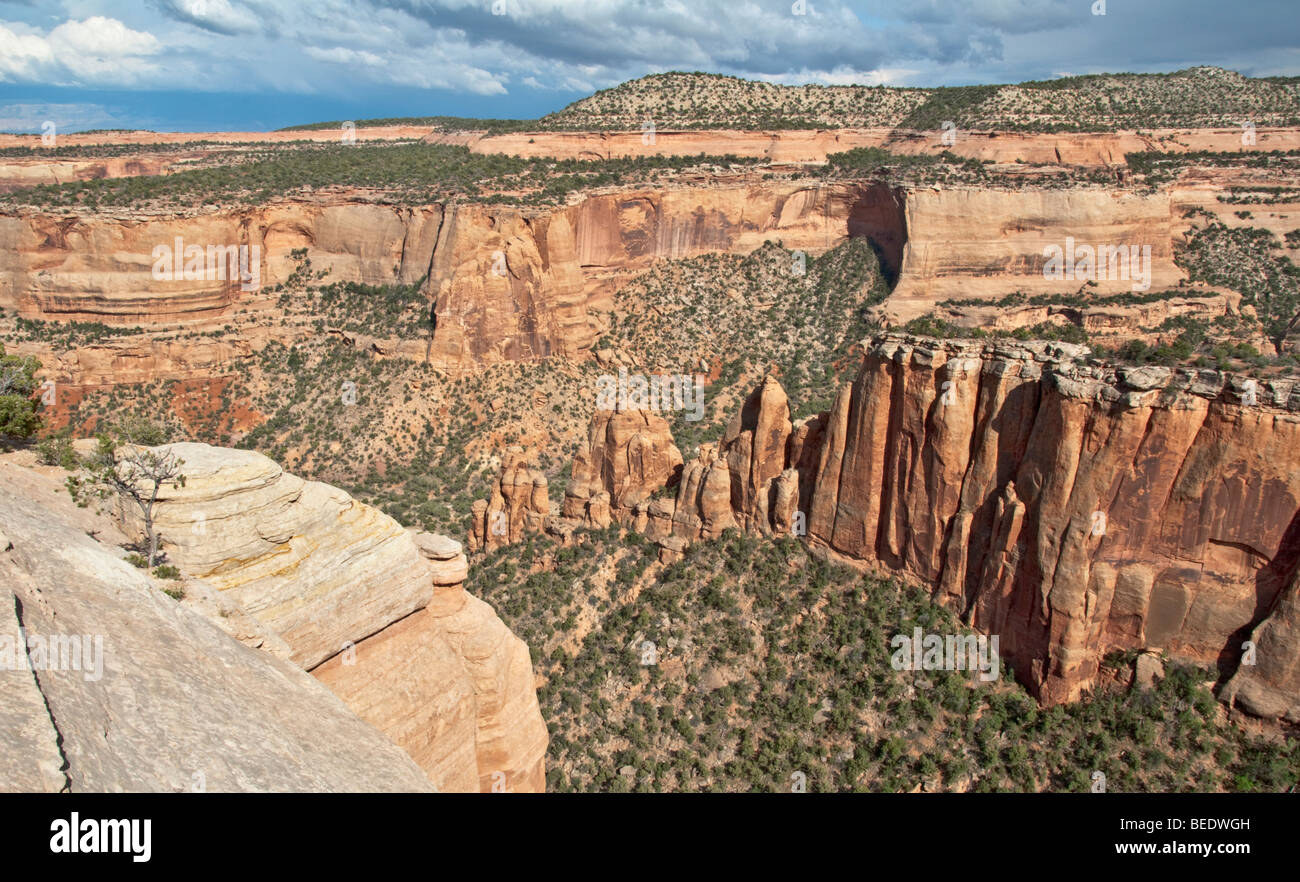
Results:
<point x="506" y="284"/>
<point x="1068" y="507"/>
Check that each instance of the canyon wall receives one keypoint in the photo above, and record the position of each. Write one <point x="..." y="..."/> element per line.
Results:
<point x="504" y="284"/>
<point x="1071" y="508"/>
<point x="101" y="267"/>
<point x="813" y="145"/>
<point x="783" y="145"/>
<point x="984" y="244"/>
<point x="511" y="284"/>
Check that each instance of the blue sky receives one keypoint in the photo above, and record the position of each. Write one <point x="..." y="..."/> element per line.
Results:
<point x="193" y="65"/>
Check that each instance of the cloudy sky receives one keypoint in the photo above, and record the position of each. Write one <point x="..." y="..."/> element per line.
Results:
<point x="190" y="65"/>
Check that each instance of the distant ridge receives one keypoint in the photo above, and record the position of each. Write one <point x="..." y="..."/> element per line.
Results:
<point x="1199" y="97"/>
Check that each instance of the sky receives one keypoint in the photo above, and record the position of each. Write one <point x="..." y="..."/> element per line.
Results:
<point x="253" y="65"/>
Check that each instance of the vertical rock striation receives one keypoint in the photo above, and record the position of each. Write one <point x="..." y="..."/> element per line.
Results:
<point x="519" y="503"/>
<point x="1069" y="507"/>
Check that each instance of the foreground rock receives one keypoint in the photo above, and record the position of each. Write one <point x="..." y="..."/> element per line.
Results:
<point x="176" y="704"/>
<point x="377" y="613"/>
<point x="451" y="685"/>
<point x="306" y="559"/>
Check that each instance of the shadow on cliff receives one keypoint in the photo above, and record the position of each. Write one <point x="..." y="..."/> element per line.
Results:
<point x="1269" y="584"/>
<point x="877" y="213"/>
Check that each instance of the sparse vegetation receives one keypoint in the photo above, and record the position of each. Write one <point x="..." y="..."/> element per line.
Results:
<point x="769" y="660"/>
<point x="1199" y="96"/>
<point x="402" y="173"/>
<point x="20" y="418"/>
<point x="124" y="466"/>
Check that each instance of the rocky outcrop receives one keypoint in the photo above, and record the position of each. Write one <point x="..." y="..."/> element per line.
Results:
<point x="451" y="685"/>
<point x="1119" y="321"/>
<point x="19" y="174"/>
<point x="519" y="504"/>
<point x="629" y="456"/>
<point x="1267" y="682"/>
<point x="378" y="614"/>
<point x="967" y="244"/>
<point x="742" y="481"/>
<point x="316" y="566"/>
<point x="755" y="449"/>
<point x="144" y="693"/>
<point x="1069" y="507"/>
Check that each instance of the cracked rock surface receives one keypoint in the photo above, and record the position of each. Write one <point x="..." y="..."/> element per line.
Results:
<point x="179" y="704"/>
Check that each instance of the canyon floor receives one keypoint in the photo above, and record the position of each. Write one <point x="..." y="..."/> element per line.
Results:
<point x="429" y="495"/>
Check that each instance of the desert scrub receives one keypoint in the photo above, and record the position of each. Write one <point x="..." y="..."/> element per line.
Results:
<point x="770" y="661"/>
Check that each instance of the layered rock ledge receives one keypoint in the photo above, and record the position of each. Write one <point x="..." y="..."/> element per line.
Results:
<point x="376" y="612"/>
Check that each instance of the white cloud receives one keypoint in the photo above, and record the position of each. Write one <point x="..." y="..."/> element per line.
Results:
<point x="96" y="51"/>
<point x="219" y="16"/>
<point x="23" y="56"/>
<point x="357" y="46"/>
<point x="844" y="76"/>
<point x="342" y="55"/>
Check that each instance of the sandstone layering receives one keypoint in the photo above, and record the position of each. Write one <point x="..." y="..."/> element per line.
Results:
<point x="377" y="613"/>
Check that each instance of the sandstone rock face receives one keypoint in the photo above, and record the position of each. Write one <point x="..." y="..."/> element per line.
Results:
<point x="791" y="145"/>
<point x="704" y="504"/>
<point x="175" y="704"/>
<point x="808" y="145"/>
<point x="504" y="284"/>
<point x="519" y="504"/>
<point x="630" y="455"/>
<point x="967" y="243"/>
<point x="508" y="284"/>
<point x="315" y="565"/>
<point x="378" y="614"/>
<point x="755" y="449"/>
<point x="391" y="681"/>
<point x="19" y="174"/>
<point x="1270" y="686"/>
<point x="452" y="686"/>
<point x="102" y="267"/>
<point x="1070" y="508"/>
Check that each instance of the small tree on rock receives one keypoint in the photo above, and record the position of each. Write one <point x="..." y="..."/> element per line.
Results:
<point x="135" y="474"/>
